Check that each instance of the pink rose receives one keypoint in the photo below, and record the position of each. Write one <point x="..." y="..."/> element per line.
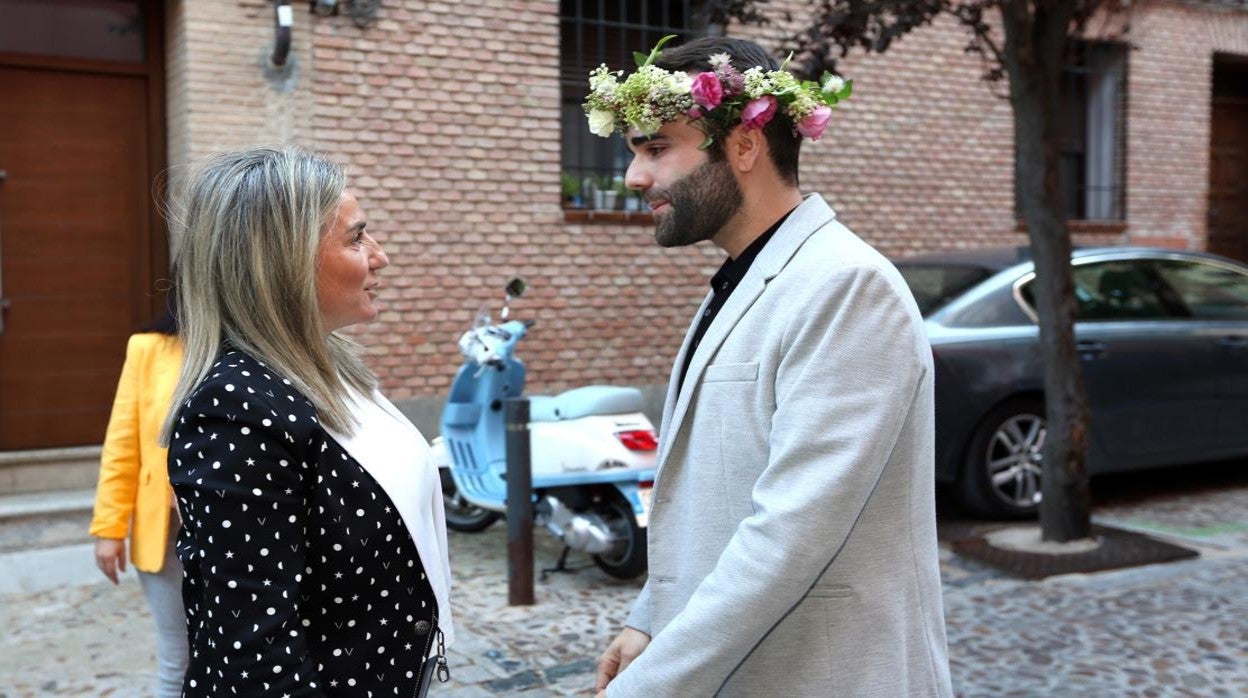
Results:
<point x="815" y="122"/>
<point x="759" y="112"/>
<point x="707" y="92"/>
<point x="734" y="82"/>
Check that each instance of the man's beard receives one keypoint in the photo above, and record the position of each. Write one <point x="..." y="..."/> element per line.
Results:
<point x="699" y="205"/>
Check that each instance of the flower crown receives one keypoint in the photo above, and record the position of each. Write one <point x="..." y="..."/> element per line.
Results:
<point x="652" y="96"/>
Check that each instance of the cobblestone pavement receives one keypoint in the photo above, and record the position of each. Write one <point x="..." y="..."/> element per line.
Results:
<point x="1178" y="629"/>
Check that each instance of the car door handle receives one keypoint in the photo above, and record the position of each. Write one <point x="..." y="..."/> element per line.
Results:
<point x="1090" y="349"/>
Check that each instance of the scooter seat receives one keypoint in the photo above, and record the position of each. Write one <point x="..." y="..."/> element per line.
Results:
<point x="583" y="402"/>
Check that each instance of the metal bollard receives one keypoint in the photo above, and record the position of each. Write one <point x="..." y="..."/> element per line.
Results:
<point x="519" y="504"/>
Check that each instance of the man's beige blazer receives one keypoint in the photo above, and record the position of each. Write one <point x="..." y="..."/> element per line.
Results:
<point x="792" y="540"/>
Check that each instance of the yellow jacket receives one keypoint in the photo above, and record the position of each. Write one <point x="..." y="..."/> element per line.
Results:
<point x="134" y="477"/>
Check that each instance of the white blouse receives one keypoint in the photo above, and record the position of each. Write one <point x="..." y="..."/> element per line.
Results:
<point x="395" y="453"/>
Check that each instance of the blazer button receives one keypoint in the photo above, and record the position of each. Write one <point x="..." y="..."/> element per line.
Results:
<point x="422" y="627"/>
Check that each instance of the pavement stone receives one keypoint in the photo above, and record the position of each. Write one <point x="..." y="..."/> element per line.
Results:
<point x="1177" y="629"/>
<point x="1162" y="629"/>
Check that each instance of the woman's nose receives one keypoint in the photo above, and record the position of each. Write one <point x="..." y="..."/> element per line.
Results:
<point x="378" y="259"/>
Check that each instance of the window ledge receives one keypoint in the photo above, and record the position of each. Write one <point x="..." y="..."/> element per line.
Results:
<point x="1085" y="227"/>
<point x="589" y="215"/>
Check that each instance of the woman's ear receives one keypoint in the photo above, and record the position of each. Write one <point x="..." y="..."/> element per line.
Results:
<point x="744" y="148"/>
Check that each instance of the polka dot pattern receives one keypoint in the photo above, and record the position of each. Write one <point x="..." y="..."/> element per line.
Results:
<point x="300" y="576"/>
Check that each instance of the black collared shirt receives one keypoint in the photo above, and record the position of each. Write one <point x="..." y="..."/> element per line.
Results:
<point x="723" y="284"/>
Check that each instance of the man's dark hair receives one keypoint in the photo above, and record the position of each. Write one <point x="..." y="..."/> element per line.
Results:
<point x="694" y="57"/>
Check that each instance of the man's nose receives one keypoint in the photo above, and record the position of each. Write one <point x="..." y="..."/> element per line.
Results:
<point x="637" y="178"/>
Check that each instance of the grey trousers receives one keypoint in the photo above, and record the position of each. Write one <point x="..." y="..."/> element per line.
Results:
<point x="164" y="597"/>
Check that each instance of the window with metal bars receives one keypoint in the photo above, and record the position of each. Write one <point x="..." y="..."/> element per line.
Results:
<point x="593" y="32"/>
<point x="1092" y="132"/>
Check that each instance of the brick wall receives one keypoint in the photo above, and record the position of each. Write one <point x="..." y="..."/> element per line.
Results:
<point x="446" y="116"/>
<point x="921" y="157"/>
<point x="1170" y="77"/>
<point x="221" y="92"/>
<point x="176" y="93"/>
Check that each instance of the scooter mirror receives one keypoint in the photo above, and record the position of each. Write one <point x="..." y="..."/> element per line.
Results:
<point x="515" y="288"/>
<point x="483" y="317"/>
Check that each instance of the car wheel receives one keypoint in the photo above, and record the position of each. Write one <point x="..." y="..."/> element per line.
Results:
<point x="1001" y="475"/>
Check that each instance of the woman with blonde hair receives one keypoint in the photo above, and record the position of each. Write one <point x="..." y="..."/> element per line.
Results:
<point x="314" y="539"/>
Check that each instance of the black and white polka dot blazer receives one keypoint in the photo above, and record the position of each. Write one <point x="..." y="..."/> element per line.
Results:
<point x="300" y="576"/>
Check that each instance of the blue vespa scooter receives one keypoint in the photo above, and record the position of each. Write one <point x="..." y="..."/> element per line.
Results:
<point x="593" y="451"/>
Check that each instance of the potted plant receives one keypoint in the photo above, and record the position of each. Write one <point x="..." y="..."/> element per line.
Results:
<point x="605" y="194"/>
<point x="571" y="188"/>
<point x="629" y="200"/>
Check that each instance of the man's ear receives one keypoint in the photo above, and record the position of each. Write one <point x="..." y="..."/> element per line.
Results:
<point x="745" y="148"/>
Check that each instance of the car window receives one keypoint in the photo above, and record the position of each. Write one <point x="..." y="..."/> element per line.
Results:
<point x="997" y="309"/>
<point x="1119" y="290"/>
<point x="1210" y="291"/>
<point x="935" y="285"/>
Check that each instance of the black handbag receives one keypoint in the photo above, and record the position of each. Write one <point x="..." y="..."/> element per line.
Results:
<point x="435" y="664"/>
<point x="426" y="676"/>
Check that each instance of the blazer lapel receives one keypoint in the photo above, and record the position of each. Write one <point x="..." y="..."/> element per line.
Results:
<point x="673" y="382"/>
<point x="412" y="489"/>
<point x="812" y="214"/>
<point x="740" y="301"/>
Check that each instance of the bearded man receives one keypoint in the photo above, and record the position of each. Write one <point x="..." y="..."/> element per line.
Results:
<point x="792" y="539"/>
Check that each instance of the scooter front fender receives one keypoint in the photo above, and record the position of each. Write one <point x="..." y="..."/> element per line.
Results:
<point x="442" y="460"/>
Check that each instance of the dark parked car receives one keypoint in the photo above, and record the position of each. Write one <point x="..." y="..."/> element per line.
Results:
<point x="1163" y="337"/>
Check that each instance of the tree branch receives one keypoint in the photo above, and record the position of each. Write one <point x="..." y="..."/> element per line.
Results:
<point x="971" y="16"/>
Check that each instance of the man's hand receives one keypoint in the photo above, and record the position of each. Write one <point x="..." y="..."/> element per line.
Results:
<point x="623" y="650"/>
<point x="110" y="556"/>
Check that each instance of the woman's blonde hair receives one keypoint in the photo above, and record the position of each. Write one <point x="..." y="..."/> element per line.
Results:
<point x="250" y="222"/>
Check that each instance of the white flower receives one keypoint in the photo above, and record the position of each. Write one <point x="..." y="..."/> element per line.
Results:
<point x="801" y="106"/>
<point x="680" y="83"/>
<point x="833" y="85"/>
<point x="603" y="81"/>
<point x="719" y="60"/>
<point x="602" y="122"/>
<point x="756" y="83"/>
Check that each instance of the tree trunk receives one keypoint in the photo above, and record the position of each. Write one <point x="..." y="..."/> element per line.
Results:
<point x="1034" y="50"/>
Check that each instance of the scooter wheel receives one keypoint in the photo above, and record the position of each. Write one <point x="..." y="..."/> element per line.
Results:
<point x="461" y="515"/>
<point x="628" y="558"/>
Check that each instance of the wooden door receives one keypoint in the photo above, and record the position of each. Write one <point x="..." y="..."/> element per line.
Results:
<point x="75" y="240"/>
<point x="1228" y="178"/>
